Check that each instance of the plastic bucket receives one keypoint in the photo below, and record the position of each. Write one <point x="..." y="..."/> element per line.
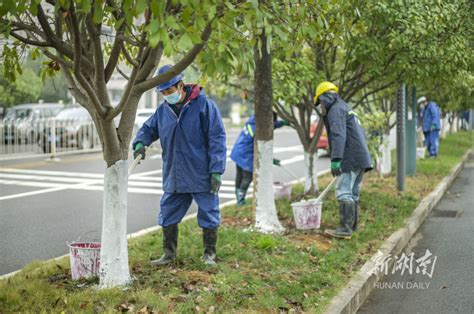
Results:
<point x="420" y="152"/>
<point x="85" y="259"/>
<point x="282" y="190"/>
<point x="307" y="214"/>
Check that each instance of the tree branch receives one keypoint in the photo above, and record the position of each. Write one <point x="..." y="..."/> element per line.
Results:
<point x="77" y="64"/>
<point x="178" y="67"/>
<point x="129" y="58"/>
<point x="113" y="59"/>
<point x="57" y="42"/>
<point x="125" y="76"/>
<point x="66" y="64"/>
<point x="30" y="41"/>
<point x="99" y="75"/>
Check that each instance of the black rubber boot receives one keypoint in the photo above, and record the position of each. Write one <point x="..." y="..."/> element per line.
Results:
<point x="170" y="243"/>
<point x="346" y="219"/>
<point x="356" y="215"/>
<point x="209" y="237"/>
<point x="240" y="196"/>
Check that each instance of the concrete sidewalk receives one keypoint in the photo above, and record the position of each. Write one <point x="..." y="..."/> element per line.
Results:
<point x="448" y="235"/>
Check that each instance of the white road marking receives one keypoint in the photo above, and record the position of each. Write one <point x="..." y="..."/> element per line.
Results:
<point x="292" y="160"/>
<point x="54" y="173"/>
<point x="146" y="173"/>
<point x="30" y="193"/>
<point x="131" y="180"/>
<point x="46" y="178"/>
<point x="296" y="148"/>
<point x="54" y="187"/>
<point x="143" y="182"/>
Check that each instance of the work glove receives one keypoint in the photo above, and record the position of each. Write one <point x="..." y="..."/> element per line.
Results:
<point x="216" y="181"/>
<point x="336" y="168"/>
<point x="433" y="127"/>
<point x="139" y="150"/>
<point x="276" y="162"/>
<point x="284" y="123"/>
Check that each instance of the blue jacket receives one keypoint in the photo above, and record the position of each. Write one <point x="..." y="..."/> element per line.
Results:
<point x="346" y="135"/>
<point x="242" y="152"/>
<point x="431" y="116"/>
<point x="193" y="144"/>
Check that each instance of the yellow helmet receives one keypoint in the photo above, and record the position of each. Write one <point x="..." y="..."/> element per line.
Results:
<point x="324" y="87"/>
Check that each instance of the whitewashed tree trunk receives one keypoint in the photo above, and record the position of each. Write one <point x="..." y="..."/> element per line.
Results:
<point x="310" y="173"/>
<point x="266" y="218"/>
<point x="114" y="253"/>
<point x="384" y="163"/>
<point x="444" y="126"/>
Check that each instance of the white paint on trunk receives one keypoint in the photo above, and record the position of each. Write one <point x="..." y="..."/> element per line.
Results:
<point x="311" y="177"/>
<point x="266" y="219"/>
<point x="445" y="126"/>
<point x="384" y="162"/>
<point x="114" y="253"/>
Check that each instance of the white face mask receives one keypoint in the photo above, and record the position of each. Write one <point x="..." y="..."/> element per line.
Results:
<point x="173" y="98"/>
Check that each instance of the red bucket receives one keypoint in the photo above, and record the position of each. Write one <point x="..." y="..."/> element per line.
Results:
<point x="85" y="259"/>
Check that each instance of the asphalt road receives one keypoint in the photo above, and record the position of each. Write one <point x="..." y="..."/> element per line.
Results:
<point x="448" y="235"/>
<point x="43" y="204"/>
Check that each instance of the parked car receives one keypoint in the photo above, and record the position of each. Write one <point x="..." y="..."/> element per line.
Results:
<point x="74" y="128"/>
<point x="323" y="142"/>
<point x="21" y="121"/>
<point x="141" y="117"/>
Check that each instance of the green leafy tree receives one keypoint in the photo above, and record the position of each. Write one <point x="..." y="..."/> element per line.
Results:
<point x="366" y="48"/>
<point x="88" y="41"/>
<point x="25" y="89"/>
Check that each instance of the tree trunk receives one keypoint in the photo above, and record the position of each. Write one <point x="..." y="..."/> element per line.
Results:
<point x="310" y="173"/>
<point x="266" y="219"/>
<point x="384" y="164"/>
<point x="114" y="270"/>
<point x="114" y="253"/>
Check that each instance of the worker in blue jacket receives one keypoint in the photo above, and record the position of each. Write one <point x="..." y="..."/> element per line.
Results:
<point x="242" y="155"/>
<point x="350" y="157"/>
<point x="431" y="116"/>
<point x="193" y="142"/>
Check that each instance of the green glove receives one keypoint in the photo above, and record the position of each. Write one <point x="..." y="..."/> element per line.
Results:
<point x="216" y="181"/>
<point x="284" y="122"/>
<point x="276" y="162"/>
<point x="433" y="126"/>
<point x="139" y="150"/>
<point x="336" y="168"/>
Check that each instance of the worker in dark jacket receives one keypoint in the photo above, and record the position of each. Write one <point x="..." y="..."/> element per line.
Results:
<point x="431" y="115"/>
<point x="350" y="157"/>
<point x="242" y="155"/>
<point x="192" y="137"/>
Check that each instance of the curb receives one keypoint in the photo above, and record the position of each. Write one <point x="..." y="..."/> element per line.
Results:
<point x="351" y="297"/>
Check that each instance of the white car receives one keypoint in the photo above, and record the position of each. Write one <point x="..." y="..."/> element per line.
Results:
<point x="141" y="117"/>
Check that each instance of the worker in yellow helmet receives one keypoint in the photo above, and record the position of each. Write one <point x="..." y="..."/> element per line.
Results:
<point x="350" y="157"/>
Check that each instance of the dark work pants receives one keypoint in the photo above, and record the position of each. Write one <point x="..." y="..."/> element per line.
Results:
<point x="243" y="179"/>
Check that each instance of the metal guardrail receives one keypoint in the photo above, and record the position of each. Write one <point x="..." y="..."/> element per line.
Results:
<point x="46" y="136"/>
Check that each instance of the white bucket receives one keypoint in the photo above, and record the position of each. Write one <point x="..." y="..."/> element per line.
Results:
<point x="282" y="190"/>
<point x="307" y="214"/>
<point x="420" y="152"/>
<point x="85" y="259"/>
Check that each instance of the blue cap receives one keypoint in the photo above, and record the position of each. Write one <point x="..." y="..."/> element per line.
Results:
<point x="168" y="84"/>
